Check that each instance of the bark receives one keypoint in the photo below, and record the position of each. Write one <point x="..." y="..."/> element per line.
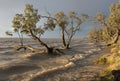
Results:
<point x="38" y="39"/>
<point x="20" y="47"/>
<point x="69" y="41"/>
<point x="115" y="38"/>
<point x="49" y="50"/>
<point x="63" y="38"/>
<point x="21" y="38"/>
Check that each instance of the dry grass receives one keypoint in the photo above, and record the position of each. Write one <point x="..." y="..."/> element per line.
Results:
<point x="113" y="62"/>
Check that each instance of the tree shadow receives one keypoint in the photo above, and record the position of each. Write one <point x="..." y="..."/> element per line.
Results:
<point x="16" y="70"/>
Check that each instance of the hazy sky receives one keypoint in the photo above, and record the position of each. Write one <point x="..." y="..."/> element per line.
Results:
<point x="8" y="9"/>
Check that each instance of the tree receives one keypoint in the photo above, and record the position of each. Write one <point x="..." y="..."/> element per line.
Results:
<point x="61" y="21"/>
<point x="69" y="25"/>
<point x="110" y="24"/>
<point x="26" y="23"/>
<point x="100" y="32"/>
<point x="114" y="21"/>
<point x="96" y="34"/>
<point x="17" y="26"/>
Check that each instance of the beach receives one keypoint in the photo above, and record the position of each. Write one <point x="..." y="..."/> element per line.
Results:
<point x="74" y="64"/>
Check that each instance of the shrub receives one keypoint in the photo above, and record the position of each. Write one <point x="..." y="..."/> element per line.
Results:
<point x="113" y="60"/>
<point x="96" y="34"/>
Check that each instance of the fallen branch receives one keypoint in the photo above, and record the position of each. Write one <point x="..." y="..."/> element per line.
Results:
<point x="25" y="47"/>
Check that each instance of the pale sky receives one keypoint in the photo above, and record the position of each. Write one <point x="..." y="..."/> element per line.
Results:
<point x="8" y="9"/>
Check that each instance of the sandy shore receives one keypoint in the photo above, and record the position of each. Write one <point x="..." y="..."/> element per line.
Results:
<point x="76" y="64"/>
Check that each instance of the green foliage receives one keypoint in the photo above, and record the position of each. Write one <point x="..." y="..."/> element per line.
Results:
<point x="109" y="24"/>
<point x="31" y="18"/>
<point x="102" y="60"/>
<point x="50" y="24"/>
<point x="100" y="33"/>
<point x="17" y="22"/>
<point x="114" y="17"/>
<point x="27" y="21"/>
<point x="100" y="17"/>
<point x="110" y="30"/>
<point x="9" y="33"/>
<point x="69" y="24"/>
<point x="61" y="19"/>
<point x="70" y="21"/>
<point x="96" y="34"/>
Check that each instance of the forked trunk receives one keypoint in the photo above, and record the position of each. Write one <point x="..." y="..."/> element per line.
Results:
<point x="69" y="41"/>
<point x="68" y="44"/>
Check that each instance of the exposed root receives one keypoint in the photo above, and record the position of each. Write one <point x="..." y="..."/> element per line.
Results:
<point x="19" y="47"/>
<point x="51" y="50"/>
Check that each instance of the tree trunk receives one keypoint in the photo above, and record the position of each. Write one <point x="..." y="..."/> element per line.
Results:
<point x="49" y="50"/>
<point x="69" y="41"/>
<point x="63" y="38"/>
<point x="115" y="39"/>
<point x="20" y="38"/>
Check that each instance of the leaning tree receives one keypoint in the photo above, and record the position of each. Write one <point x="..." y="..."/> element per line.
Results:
<point x="114" y="21"/>
<point x="110" y="24"/>
<point x="26" y="23"/>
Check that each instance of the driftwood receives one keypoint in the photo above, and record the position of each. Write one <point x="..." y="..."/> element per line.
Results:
<point x="116" y="74"/>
